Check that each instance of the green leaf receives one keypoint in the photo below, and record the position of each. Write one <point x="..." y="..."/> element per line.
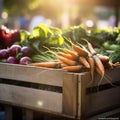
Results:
<point x="41" y="30"/>
<point x="36" y="45"/>
<point x="24" y="35"/>
<point x="56" y="39"/>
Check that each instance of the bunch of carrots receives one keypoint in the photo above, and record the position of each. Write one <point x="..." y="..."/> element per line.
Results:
<point x="80" y="58"/>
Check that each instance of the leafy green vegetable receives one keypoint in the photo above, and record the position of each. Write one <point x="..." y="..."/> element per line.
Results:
<point x="53" y="38"/>
<point x="42" y="35"/>
<point x="115" y="56"/>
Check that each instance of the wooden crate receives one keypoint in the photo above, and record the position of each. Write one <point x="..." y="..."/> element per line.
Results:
<point x="40" y="89"/>
<point x="57" y="92"/>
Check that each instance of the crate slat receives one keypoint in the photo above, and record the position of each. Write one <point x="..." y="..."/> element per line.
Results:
<point x="70" y="94"/>
<point x="31" y="74"/>
<point x="31" y="98"/>
<point x="101" y="101"/>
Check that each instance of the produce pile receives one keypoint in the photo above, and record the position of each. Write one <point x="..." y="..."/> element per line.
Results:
<point x="10" y="50"/>
<point x="74" y="49"/>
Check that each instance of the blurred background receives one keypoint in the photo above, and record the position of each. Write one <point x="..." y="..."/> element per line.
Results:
<point x="60" y="13"/>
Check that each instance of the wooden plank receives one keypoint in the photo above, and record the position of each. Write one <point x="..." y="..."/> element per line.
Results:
<point x="70" y="94"/>
<point x="81" y="95"/>
<point x="31" y="74"/>
<point x="102" y="100"/>
<point x="112" y="76"/>
<point x="31" y="98"/>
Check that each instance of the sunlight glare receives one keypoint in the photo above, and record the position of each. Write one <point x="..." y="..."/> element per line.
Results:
<point x="40" y="103"/>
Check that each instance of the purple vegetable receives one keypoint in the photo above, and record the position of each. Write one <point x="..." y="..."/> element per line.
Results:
<point x="11" y="60"/>
<point x="25" y="60"/>
<point x="14" y="50"/>
<point x="3" y="53"/>
<point x="26" y="51"/>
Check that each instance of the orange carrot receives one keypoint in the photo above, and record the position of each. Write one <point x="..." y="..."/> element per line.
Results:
<point x="84" y="62"/>
<point x="90" y="47"/>
<point x="72" y="53"/>
<point x="74" y="68"/>
<point x="67" y="61"/>
<point x="99" y="72"/>
<point x="63" y="65"/>
<point x="80" y="50"/>
<point x="69" y="56"/>
<point x="116" y="64"/>
<point x="51" y="64"/>
<point x="98" y="62"/>
<point x="103" y="58"/>
<point x="91" y="63"/>
<point x="106" y="77"/>
<point x="92" y="66"/>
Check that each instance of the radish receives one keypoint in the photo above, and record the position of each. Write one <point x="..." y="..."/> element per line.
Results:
<point x="25" y="60"/>
<point x="14" y="50"/>
<point x="3" y="53"/>
<point x="26" y="51"/>
<point x="11" y="60"/>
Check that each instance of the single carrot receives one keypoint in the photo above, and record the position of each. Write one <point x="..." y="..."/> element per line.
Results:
<point x="99" y="65"/>
<point x="69" y="56"/>
<point x="50" y="64"/>
<point x="90" y="47"/>
<point x="77" y="48"/>
<point x="92" y="66"/>
<point x="99" y="73"/>
<point x="72" y="53"/>
<point x="116" y="64"/>
<point x="74" y="68"/>
<point x="103" y="58"/>
<point x="84" y="61"/>
<point x="67" y="61"/>
<point x="80" y="50"/>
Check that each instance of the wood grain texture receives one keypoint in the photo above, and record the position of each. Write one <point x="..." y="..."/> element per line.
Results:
<point x="31" y="74"/>
<point x="31" y="98"/>
<point x="70" y="94"/>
